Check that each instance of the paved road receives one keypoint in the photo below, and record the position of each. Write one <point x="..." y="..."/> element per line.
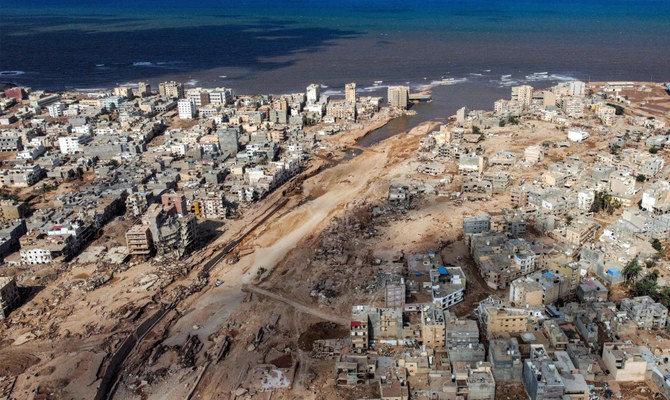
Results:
<point x="298" y="306"/>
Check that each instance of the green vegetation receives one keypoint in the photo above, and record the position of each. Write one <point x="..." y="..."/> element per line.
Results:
<point x="648" y="286"/>
<point x="653" y="149"/>
<point x="513" y="120"/>
<point x="657" y="245"/>
<point x="641" y="178"/>
<point x="619" y="109"/>
<point x="604" y="202"/>
<point x="47" y="187"/>
<point x="614" y="149"/>
<point x="631" y="272"/>
<point x="476" y="130"/>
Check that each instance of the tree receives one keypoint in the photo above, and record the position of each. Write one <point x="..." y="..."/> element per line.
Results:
<point x="653" y="149"/>
<point x="641" y="178"/>
<point x="604" y="201"/>
<point x="657" y="245"/>
<point x="618" y="108"/>
<point x="476" y="130"/>
<point x="631" y="272"/>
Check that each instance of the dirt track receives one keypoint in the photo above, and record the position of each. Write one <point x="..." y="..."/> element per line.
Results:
<point x="298" y="306"/>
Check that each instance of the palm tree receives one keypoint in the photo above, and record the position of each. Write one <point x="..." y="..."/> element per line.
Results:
<point x="632" y="270"/>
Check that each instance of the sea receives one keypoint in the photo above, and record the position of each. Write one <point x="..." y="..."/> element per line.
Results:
<point x="281" y="46"/>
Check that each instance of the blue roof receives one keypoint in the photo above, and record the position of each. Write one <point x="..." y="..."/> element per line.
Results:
<point x="419" y="274"/>
<point x="431" y="253"/>
<point x="549" y="275"/>
<point x="613" y="271"/>
<point x="442" y="270"/>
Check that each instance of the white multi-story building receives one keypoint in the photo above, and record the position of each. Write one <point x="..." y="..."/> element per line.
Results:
<point x="221" y="96"/>
<point x="56" y="109"/>
<point x="186" y="108"/>
<point x="585" y="199"/>
<point x="36" y="256"/>
<point x="72" y="144"/>
<point x="313" y="93"/>
<point x="576" y="88"/>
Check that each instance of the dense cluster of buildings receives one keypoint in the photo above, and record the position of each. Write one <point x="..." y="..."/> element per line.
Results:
<point x="168" y="158"/>
<point x="552" y="259"/>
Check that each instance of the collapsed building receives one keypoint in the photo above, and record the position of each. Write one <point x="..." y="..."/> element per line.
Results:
<point x="164" y="231"/>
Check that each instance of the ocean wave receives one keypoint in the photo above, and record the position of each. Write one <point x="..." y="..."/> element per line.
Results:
<point x="191" y="82"/>
<point x="130" y="84"/>
<point x="441" y="82"/>
<point x="11" y="73"/>
<point x="370" y="89"/>
<point x="333" y="92"/>
<point x="143" y="64"/>
<point x="507" y="80"/>
<point x="89" y="90"/>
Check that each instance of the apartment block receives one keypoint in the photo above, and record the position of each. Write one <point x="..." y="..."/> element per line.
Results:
<point x="624" y="361"/>
<point x="398" y="97"/>
<point x="172" y="90"/>
<point x="359" y="330"/>
<point x="139" y="240"/>
<point x="505" y="359"/>
<point x="646" y="313"/>
<point x="9" y="296"/>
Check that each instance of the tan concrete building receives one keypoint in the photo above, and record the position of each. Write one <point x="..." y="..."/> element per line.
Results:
<point x="523" y="94"/>
<point x="498" y="320"/>
<point x="624" y="361"/>
<point x="138" y="240"/>
<point x="11" y="210"/>
<point x="173" y="90"/>
<point x="359" y="330"/>
<point x="398" y="96"/>
<point x="432" y="327"/>
<point x="350" y="92"/>
<point x="522" y="292"/>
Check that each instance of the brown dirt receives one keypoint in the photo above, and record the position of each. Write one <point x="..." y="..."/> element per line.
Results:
<point x="284" y="361"/>
<point x="319" y="331"/>
<point x="16" y="362"/>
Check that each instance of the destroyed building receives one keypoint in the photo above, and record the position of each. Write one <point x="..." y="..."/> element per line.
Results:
<point x="164" y="231"/>
<point x="9" y="296"/>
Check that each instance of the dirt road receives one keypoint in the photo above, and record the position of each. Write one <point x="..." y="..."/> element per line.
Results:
<point x="315" y="311"/>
